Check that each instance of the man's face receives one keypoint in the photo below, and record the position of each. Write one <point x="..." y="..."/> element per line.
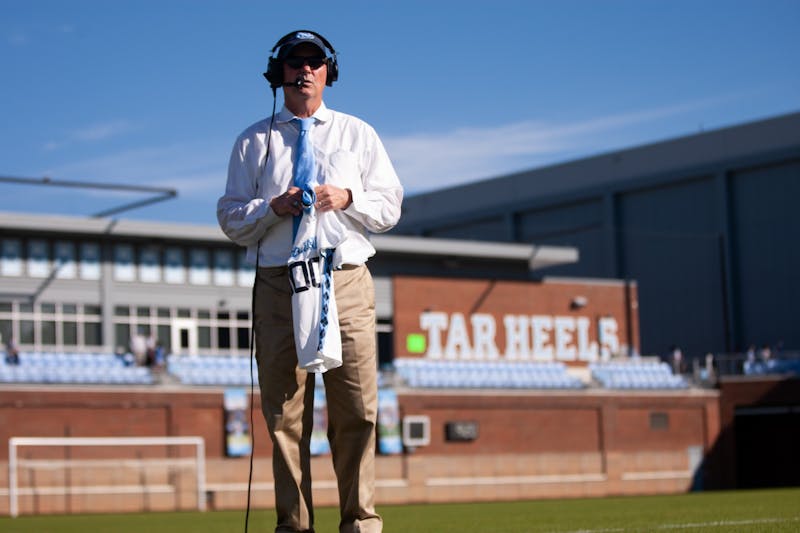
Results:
<point x="300" y="64"/>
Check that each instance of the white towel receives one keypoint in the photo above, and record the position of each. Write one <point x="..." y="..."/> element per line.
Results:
<point x="316" y="319"/>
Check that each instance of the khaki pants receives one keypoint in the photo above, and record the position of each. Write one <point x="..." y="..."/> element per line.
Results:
<point x="287" y="394"/>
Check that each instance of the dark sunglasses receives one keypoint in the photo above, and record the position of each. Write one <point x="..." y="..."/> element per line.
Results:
<point x="299" y="62"/>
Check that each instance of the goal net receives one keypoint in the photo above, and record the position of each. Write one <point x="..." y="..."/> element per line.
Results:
<point x="105" y="474"/>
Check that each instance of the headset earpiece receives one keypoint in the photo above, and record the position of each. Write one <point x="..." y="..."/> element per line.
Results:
<point x="274" y="73"/>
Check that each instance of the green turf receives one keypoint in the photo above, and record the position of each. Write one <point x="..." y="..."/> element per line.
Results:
<point x="736" y="511"/>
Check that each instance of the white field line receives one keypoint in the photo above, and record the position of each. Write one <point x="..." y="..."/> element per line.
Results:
<point x="695" y="525"/>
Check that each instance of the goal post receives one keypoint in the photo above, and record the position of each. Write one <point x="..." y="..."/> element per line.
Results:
<point x="14" y="463"/>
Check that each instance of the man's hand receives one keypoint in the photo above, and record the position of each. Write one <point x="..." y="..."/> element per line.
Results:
<point x="332" y="198"/>
<point x="288" y="203"/>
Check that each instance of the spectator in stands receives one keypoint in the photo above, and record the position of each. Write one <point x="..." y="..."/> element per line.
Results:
<point x="12" y="352"/>
<point x="677" y="360"/>
<point x="139" y="349"/>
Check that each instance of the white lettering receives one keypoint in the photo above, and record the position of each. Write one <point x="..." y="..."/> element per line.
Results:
<point x="483" y="332"/>
<point x="433" y="323"/>
<point x="541" y="325"/>
<point x="517" y="337"/>
<point x="609" y="342"/>
<point x="457" y="346"/>
<point x="564" y="327"/>
<point x="586" y="351"/>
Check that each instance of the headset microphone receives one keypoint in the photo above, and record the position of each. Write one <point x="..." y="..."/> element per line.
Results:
<point x="296" y="83"/>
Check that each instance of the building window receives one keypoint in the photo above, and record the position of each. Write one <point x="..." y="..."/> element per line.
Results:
<point x="199" y="273"/>
<point x="65" y="260"/>
<point x="69" y="332"/>
<point x="124" y="267"/>
<point x="90" y="261"/>
<point x="92" y="334"/>
<point x="174" y="266"/>
<point x="38" y="259"/>
<point x="26" y="332"/>
<point x="122" y="336"/>
<point x="150" y="265"/>
<point x="11" y="259"/>
<point x="223" y="268"/>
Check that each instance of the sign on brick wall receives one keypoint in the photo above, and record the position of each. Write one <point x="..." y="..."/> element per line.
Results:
<point x="485" y="320"/>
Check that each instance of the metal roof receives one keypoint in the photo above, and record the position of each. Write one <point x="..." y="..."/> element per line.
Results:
<point x="536" y="256"/>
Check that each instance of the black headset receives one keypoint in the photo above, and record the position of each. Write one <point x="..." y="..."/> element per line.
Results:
<point x="274" y="73"/>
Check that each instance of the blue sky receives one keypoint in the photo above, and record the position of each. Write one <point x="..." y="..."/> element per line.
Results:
<point x="154" y="93"/>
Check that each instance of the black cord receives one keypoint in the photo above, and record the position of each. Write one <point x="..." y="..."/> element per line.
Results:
<point x="253" y="333"/>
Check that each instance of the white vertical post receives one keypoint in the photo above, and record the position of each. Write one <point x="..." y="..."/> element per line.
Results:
<point x="12" y="478"/>
<point x="201" y="474"/>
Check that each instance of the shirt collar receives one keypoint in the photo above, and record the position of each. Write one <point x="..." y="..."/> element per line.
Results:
<point x="322" y="114"/>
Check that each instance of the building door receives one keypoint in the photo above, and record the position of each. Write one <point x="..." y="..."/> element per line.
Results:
<point x="184" y="336"/>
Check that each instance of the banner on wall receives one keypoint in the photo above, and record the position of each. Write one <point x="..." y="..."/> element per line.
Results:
<point x="238" y="440"/>
<point x="389" y="432"/>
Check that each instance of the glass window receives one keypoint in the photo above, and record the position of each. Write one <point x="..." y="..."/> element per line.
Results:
<point x="204" y="337"/>
<point x="90" y="260"/>
<point x="184" y="313"/>
<point x="223" y="315"/>
<point x="242" y="315"/>
<point x="223" y="337"/>
<point x="163" y="312"/>
<point x="92" y="334"/>
<point x="5" y="307"/>
<point x="69" y="309"/>
<point x="142" y="311"/>
<point x="11" y="258"/>
<point x="91" y="309"/>
<point x="174" y="266"/>
<point x="150" y="265"/>
<point x="143" y="329"/>
<point x="65" y="260"/>
<point x="5" y="330"/>
<point x="48" y="308"/>
<point x="26" y="331"/>
<point x="70" y="333"/>
<point x="199" y="272"/>
<point x="204" y="314"/>
<point x="38" y="259"/>
<point x="122" y="336"/>
<point x="124" y="267"/>
<point x="243" y="337"/>
<point x="122" y="310"/>
<point x="48" y="332"/>
<point x="164" y="336"/>
<point x="26" y="307"/>
<point x="223" y="267"/>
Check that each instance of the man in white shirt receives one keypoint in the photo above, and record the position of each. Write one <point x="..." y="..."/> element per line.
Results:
<point x="358" y="191"/>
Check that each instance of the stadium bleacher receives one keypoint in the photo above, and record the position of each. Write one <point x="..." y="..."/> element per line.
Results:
<point x="636" y="375"/>
<point x="424" y="373"/>
<point x="212" y="370"/>
<point x="224" y="370"/>
<point x="78" y="368"/>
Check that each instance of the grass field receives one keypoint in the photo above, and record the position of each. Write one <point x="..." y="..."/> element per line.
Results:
<point x="740" y="511"/>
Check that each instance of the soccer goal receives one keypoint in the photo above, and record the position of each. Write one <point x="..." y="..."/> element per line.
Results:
<point x="91" y="474"/>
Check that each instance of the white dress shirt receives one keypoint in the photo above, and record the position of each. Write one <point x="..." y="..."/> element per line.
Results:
<point x="348" y="154"/>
